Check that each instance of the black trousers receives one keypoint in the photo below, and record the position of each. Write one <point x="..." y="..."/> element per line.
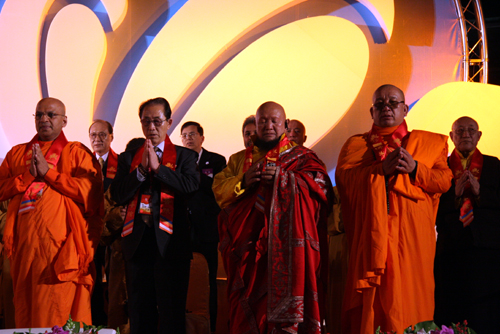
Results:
<point x="157" y="289"/>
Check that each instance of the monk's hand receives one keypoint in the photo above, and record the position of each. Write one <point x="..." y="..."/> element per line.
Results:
<point x="42" y="167"/>
<point x="145" y="154"/>
<point x="33" y="162"/>
<point x="474" y="183"/>
<point x="391" y="162"/>
<point x="461" y="183"/>
<point x="406" y="163"/>
<point x="268" y="173"/>
<point x="252" y="175"/>
<point x="123" y="212"/>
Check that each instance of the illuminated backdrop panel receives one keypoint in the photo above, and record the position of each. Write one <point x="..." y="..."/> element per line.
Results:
<point x="217" y="61"/>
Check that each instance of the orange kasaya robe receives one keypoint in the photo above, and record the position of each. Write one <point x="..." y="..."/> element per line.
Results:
<point x="390" y="279"/>
<point x="270" y="240"/>
<point x="52" y="246"/>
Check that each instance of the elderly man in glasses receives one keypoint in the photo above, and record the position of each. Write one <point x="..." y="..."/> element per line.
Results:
<point x="203" y="209"/>
<point x="390" y="180"/>
<point x="54" y="221"/>
<point x="154" y="181"/>
<point x="467" y="264"/>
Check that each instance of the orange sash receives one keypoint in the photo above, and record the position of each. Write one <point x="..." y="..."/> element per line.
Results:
<point x="376" y="140"/>
<point x="167" y="199"/>
<point x="52" y="156"/>
<point x="475" y="167"/>
<point x="112" y="164"/>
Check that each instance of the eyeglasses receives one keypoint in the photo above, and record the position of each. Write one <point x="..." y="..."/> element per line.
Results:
<point x="50" y="114"/>
<point x="157" y="122"/>
<point x="103" y="135"/>
<point x="190" y="135"/>
<point x="392" y="104"/>
<point x="460" y="132"/>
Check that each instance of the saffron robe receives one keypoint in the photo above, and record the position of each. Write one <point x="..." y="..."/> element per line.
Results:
<point x="390" y="279"/>
<point x="273" y="278"/>
<point x="52" y="246"/>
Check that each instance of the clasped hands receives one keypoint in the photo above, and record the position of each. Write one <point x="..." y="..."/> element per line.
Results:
<point x="256" y="173"/>
<point x="466" y="179"/>
<point x="149" y="158"/>
<point x="39" y="166"/>
<point x="398" y="160"/>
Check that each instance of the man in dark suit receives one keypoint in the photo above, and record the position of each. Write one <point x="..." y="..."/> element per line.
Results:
<point x="101" y="136"/>
<point x="203" y="209"/>
<point x="467" y="263"/>
<point x="154" y="182"/>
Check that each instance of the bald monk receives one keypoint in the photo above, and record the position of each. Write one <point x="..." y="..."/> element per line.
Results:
<point x="296" y="131"/>
<point x="274" y="197"/>
<point x="467" y="264"/>
<point x="390" y="181"/>
<point x="54" y="222"/>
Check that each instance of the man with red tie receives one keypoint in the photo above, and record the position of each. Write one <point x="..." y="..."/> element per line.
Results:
<point x="467" y="264"/>
<point x="154" y="181"/>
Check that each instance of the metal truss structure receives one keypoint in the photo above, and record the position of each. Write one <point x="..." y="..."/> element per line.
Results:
<point x="474" y="46"/>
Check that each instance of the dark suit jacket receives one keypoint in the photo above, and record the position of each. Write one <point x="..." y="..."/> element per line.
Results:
<point x="183" y="181"/>
<point x="202" y="205"/>
<point x="107" y="181"/>
<point x="467" y="259"/>
<point x="485" y="228"/>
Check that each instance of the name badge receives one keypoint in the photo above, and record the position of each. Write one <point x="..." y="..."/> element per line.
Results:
<point x="145" y="205"/>
<point x="208" y="172"/>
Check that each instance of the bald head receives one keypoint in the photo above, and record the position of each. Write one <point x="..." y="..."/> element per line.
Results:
<point x="389" y="108"/>
<point x="50" y="118"/>
<point x="465" y="135"/>
<point x="270" y="119"/>
<point x="296" y="132"/>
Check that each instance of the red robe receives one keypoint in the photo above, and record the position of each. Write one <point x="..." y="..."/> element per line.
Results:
<point x="272" y="257"/>
<point x="52" y="246"/>
<point x="390" y="279"/>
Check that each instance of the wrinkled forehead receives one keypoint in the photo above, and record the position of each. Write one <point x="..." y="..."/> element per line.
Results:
<point x="99" y="127"/>
<point x="464" y="123"/>
<point x="388" y="92"/>
<point x="297" y="125"/>
<point x="270" y="113"/>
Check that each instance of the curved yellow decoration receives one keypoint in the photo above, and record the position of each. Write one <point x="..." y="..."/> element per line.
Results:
<point x="439" y="108"/>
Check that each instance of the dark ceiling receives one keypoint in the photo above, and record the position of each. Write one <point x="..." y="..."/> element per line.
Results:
<point x="491" y="13"/>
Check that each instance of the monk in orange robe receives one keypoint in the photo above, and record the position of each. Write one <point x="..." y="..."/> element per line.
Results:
<point x="54" y="222"/>
<point x="390" y="181"/>
<point x="274" y="197"/>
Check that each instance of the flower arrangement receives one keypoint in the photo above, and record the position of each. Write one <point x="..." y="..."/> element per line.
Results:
<point x="71" y="327"/>
<point x="429" y="327"/>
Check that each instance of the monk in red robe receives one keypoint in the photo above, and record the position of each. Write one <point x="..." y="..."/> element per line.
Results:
<point x="390" y="181"/>
<point x="54" y="222"/>
<point x="274" y="197"/>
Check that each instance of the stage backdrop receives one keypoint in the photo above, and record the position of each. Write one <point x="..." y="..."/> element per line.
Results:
<point x="217" y="61"/>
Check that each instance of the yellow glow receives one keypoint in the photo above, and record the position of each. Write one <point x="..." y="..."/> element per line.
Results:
<point x="76" y="49"/>
<point x="307" y="66"/>
<point x="117" y="10"/>
<point x="383" y="10"/>
<point x="189" y="43"/>
<point x="439" y="108"/>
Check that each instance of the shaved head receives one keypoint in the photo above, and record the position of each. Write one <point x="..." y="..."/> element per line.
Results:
<point x="50" y="118"/>
<point x="296" y="132"/>
<point x="465" y="135"/>
<point x="270" y="119"/>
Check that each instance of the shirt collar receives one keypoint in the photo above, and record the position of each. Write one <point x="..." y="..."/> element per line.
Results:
<point x="104" y="156"/>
